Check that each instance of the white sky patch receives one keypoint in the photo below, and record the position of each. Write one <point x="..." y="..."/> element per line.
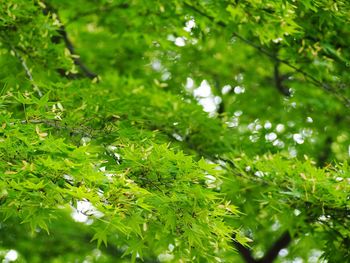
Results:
<point x="68" y="178"/>
<point x="189" y="83"/>
<point x="171" y="38"/>
<point x="277" y="40"/>
<point x="233" y="123"/>
<point x="306" y="132"/>
<point x="258" y="127"/>
<point x="309" y="120"/>
<point x="208" y="104"/>
<point x="226" y="89"/>
<point x="283" y="252"/>
<point x="280" y="128"/>
<point x="203" y="90"/>
<point x="217" y="100"/>
<point x="178" y="137"/>
<point x="259" y="174"/>
<point x="238" y="113"/>
<point x="339" y="179"/>
<point x="251" y="126"/>
<point x="267" y="125"/>
<point x="171" y="247"/>
<point x="79" y="217"/>
<point x="278" y="143"/>
<point x="11" y="255"/>
<point x="296" y="212"/>
<point x="254" y="126"/>
<point x="271" y="136"/>
<point x="205" y="97"/>
<point x="180" y="41"/>
<point x="166" y="75"/>
<point x="83" y="210"/>
<point x="190" y="24"/>
<point x="297" y="260"/>
<point x="210" y="179"/>
<point x="298" y="138"/>
<point x="156" y="65"/>
<point x="239" y="90"/>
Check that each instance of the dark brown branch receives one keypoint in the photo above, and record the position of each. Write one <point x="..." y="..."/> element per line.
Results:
<point x="327" y="87"/>
<point x="280" y="243"/>
<point x="325" y="152"/>
<point x="69" y="45"/>
<point x="221" y="109"/>
<point x="279" y="81"/>
<point x="245" y="253"/>
<point x="270" y="255"/>
<point x="87" y="72"/>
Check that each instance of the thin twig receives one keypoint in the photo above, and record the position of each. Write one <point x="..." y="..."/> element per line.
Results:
<point x="27" y="70"/>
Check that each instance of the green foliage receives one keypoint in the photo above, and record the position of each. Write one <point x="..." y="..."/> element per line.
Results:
<point x="180" y="131"/>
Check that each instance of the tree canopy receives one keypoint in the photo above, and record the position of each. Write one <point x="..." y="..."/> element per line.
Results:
<point x="174" y="131"/>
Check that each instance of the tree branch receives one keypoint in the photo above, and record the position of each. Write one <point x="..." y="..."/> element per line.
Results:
<point x="279" y="81"/>
<point x="77" y="61"/>
<point x="325" y="152"/>
<point x="270" y="255"/>
<point x="27" y="70"/>
<point x="280" y="243"/>
<point x="69" y="45"/>
<point x="244" y="252"/>
<point x="327" y="87"/>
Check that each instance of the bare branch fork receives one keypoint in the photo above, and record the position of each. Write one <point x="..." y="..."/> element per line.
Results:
<point x="270" y="255"/>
